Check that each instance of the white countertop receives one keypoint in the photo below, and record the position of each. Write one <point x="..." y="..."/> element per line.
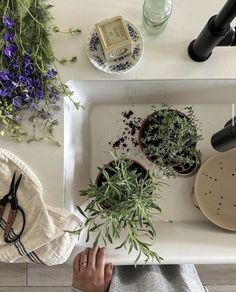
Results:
<point x="165" y="55"/>
<point x="46" y="161"/>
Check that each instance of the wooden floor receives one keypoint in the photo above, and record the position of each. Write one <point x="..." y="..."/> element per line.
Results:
<point x="35" y="278"/>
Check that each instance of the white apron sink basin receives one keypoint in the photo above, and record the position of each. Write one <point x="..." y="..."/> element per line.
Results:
<point x="191" y="238"/>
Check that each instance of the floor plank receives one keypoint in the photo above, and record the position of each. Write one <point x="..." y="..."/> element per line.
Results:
<point x="35" y="289"/>
<point x="39" y="275"/>
<point x="12" y="274"/>
<point x="217" y="278"/>
<point x="217" y="274"/>
<point x="220" y="288"/>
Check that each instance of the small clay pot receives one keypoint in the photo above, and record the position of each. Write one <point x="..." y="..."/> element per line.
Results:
<point x="188" y="170"/>
<point x="145" y="125"/>
<point x="135" y="165"/>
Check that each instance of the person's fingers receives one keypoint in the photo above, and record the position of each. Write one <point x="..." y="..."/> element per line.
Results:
<point x="92" y="257"/>
<point x="108" y="272"/>
<point x="84" y="258"/>
<point x="76" y="262"/>
<point x="108" y="275"/>
<point x="101" y="256"/>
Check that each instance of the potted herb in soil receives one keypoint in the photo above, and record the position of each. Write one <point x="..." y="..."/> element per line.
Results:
<point x="169" y="137"/>
<point x="124" y="197"/>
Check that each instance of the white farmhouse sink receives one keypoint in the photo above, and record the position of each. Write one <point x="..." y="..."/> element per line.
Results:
<point x="191" y="238"/>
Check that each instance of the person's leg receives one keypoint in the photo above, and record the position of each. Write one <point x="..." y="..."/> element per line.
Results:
<point x="182" y="277"/>
<point x="158" y="278"/>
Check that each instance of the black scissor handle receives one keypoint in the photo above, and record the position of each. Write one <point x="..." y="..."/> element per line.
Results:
<point x="11" y="233"/>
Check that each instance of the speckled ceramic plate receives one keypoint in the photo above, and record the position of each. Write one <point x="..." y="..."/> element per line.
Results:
<point x="120" y="65"/>
<point x="215" y="189"/>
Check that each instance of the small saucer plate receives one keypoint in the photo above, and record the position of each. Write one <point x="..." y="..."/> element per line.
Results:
<point x="120" y="65"/>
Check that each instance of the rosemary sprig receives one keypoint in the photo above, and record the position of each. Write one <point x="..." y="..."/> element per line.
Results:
<point x="169" y="138"/>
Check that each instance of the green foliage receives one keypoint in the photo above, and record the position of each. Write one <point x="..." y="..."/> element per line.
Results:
<point x="169" y="138"/>
<point x="127" y="200"/>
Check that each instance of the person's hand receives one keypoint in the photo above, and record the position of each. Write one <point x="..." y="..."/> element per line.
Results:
<point x="90" y="272"/>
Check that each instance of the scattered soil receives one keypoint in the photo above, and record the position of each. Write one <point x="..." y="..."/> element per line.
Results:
<point x="131" y="126"/>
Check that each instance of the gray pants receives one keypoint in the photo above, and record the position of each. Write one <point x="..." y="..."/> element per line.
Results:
<point x="156" y="278"/>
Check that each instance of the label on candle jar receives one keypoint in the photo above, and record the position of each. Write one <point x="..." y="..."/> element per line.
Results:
<point x="114" y="38"/>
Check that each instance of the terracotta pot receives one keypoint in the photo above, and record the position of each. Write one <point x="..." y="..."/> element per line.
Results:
<point x="99" y="178"/>
<point x="145" y="125"/>
<point x="188" y="170"/>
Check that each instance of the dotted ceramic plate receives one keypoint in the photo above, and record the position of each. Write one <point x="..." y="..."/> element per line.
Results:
<point x="215" y="189"/>
<point x="120" y="65"/>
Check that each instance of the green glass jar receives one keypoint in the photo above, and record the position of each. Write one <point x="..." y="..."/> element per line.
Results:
<point x="156" y="14"/>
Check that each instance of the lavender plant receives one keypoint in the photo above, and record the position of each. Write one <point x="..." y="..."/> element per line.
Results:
<point x="126" y="200"/>
<point x="29" y="81"/>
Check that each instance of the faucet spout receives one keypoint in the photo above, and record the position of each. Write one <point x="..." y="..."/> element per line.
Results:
<point x="226" y="15"/>
<point x="217" y="32"/>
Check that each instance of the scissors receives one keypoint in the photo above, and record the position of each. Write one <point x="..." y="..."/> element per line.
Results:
<point x="11" y="198"/>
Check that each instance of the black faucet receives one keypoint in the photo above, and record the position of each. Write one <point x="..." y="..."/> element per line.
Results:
<point x="225" y="139"/>
<point x="217" y="32"/>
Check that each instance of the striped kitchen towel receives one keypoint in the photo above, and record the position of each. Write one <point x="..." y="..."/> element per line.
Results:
<point x="44" y="239"/>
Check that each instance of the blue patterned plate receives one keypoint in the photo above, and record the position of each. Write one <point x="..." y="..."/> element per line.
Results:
<point x="120" y="65"/>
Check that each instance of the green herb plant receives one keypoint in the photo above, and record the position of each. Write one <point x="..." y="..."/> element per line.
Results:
<point x="126" y="200"/>
<point x="169" y="138"/>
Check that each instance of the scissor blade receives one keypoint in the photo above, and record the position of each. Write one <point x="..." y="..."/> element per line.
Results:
<point x="12" y="186"/>
<point x="1" y="211"/>
<point x="17" y="184"/>
<point x="10" y="220"/>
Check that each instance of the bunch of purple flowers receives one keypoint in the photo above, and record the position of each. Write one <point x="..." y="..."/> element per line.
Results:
<point x="29" y="82"/>
<point x="23" y="85"/>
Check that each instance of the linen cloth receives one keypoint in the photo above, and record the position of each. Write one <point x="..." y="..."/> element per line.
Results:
<point x="44" y="239"/>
